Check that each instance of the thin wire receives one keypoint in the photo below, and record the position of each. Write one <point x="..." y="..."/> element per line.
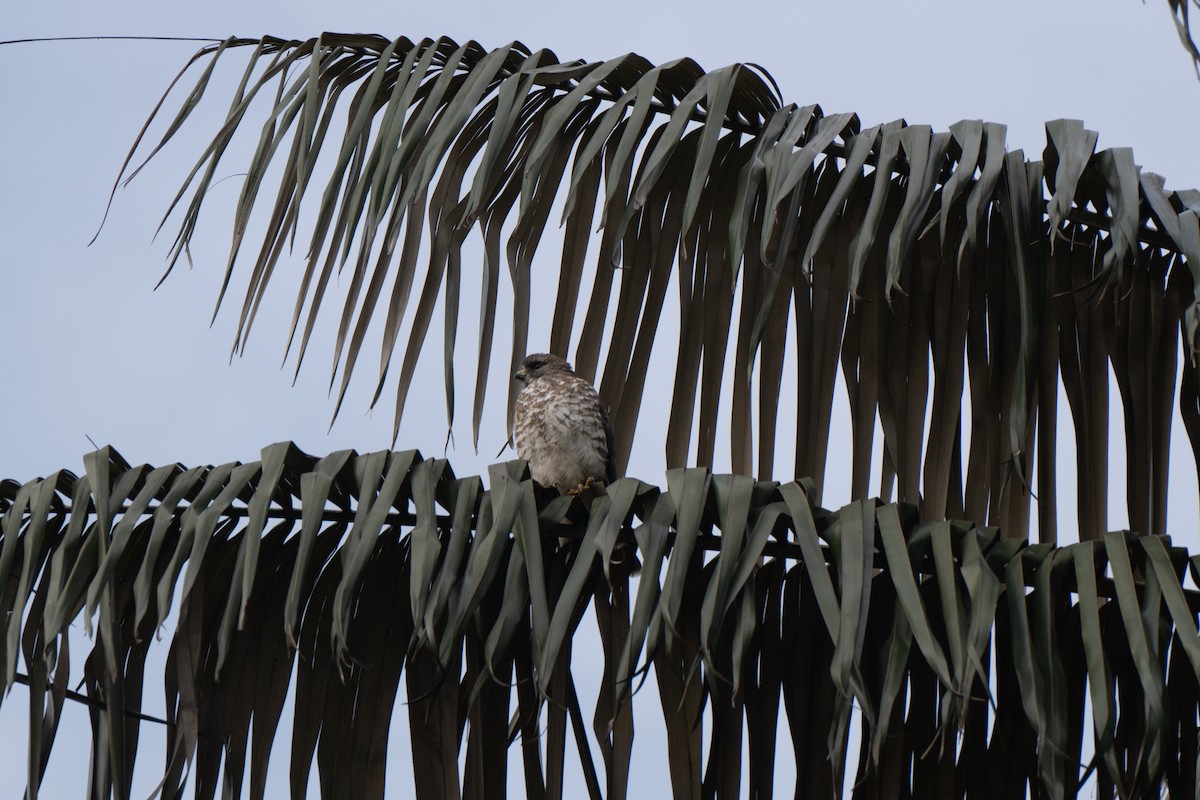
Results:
<point x="93" y="702"/>
<point x="100" y="704"/>
<point x="110" y="38"/>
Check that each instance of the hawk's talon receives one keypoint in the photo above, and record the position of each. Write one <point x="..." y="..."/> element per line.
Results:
<point x="583" y="487"/>
<point x="589" y="483"/>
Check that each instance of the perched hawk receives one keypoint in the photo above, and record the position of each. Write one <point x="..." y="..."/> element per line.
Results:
<point x="560" y="426"/>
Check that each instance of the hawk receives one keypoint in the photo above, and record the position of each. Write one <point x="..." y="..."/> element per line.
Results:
<point x="560" y="426"/>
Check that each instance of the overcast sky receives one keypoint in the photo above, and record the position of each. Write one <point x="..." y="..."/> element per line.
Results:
<point x="92" y="351"/>
<point x="89" y="350"/>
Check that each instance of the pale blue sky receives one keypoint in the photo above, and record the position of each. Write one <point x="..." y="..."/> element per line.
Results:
<point x="90" y="350"/>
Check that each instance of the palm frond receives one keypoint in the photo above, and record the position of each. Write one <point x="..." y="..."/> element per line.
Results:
<point x="888" y="249"/>
<point x="1180" y="10"/>
<point x="964" y="652"/>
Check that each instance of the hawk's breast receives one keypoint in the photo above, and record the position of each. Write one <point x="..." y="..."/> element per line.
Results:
<point x="559" y="428"/>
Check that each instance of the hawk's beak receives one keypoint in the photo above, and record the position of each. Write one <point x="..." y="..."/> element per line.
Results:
<point x="520" y="375"/>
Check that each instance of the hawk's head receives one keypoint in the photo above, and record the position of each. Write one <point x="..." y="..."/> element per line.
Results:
<point x="536" y="365"/>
